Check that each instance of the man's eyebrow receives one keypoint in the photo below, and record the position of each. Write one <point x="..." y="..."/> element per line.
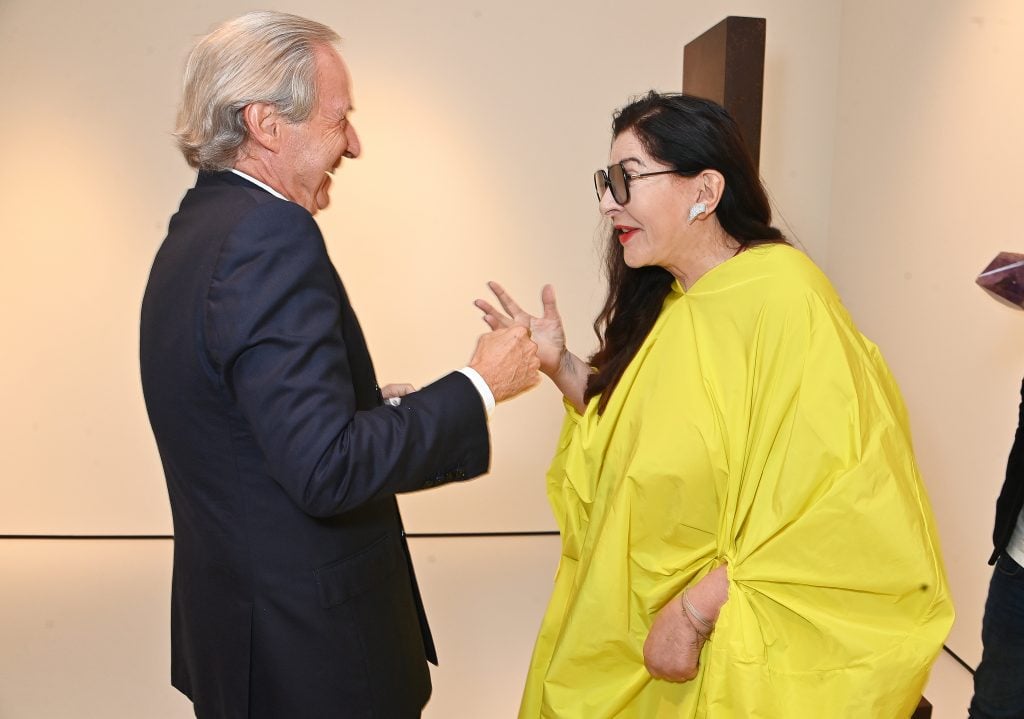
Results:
<point x="637" y="160"/>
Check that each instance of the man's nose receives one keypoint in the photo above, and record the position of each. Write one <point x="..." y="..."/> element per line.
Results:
<point x="352" y="136"/>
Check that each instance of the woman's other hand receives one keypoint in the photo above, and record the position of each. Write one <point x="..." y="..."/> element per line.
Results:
<point x="546" y="331"/>
<point x="672" y="649"/>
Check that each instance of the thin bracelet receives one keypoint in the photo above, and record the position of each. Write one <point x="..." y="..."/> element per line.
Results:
<point x="692" y="612"/>
<point x="696" y="630"/>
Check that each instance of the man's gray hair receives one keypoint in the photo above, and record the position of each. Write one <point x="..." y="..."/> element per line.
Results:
<point x="262" y="56"/>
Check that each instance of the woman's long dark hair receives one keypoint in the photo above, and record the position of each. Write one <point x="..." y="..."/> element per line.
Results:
<point x="689" y="134"/>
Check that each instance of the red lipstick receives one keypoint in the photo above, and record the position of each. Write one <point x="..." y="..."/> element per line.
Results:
<point x="625" y="232"/>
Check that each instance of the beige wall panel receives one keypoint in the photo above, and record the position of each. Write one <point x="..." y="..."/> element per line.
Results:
<point x="84" y="625"/>
<point x="85" y="630"/>
<point x="949" y="688"/>
<point x="485" y="598"/>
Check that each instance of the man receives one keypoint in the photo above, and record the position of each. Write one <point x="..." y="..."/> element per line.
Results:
<point x="998" y="687"/>
<point x="999" y="680"/>
<point x="293" y="595"/>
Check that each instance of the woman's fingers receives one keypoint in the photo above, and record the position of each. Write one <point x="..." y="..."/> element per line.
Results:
<point x="547" y="298"/>
<point x="494" y="319"/>
<point x="506" y="300"/>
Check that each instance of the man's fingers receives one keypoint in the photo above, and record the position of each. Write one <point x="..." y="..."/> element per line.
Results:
<point x="389" y="391"/>
<point x="507" y="360"/>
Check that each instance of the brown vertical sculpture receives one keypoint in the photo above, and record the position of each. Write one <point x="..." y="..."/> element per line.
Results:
<point x="726" y="64"/>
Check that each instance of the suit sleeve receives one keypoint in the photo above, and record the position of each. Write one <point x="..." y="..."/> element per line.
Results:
<point x="274" y="328"/>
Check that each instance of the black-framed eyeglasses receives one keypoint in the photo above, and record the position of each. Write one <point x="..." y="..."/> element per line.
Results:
<point x="617" y="180"/>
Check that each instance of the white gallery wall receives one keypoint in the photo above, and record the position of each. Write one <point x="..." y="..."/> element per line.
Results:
<point x="888" y="147"/>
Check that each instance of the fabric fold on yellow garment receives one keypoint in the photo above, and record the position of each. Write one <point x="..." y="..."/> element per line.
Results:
<point x="756" y="427"/>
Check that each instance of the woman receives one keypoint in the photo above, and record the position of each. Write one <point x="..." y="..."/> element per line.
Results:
<point x="744" y="529"/>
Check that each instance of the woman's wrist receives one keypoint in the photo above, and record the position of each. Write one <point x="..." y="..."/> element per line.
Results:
<point x="702" y="625"/>
<point x="571" y="378"/>
<point x="564" y="367"/>
<point x="710" y="594"/>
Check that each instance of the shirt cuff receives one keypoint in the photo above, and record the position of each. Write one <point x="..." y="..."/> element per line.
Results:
<point x="485" y="392"/>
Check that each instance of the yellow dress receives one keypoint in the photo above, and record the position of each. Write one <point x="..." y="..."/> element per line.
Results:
<point x="756" y="426"/>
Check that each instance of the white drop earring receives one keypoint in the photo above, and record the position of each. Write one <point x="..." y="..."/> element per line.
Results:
<point x="696" y="211"/>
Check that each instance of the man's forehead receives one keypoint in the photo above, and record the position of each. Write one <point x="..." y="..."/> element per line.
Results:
<point x="334" y="84"/>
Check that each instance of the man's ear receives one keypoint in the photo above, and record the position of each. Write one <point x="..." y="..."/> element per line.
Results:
<point x="263" y="124"/>
<point x="712" y="185"/>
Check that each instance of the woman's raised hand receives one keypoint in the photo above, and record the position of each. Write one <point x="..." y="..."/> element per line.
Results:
<point x="547" y="331"/>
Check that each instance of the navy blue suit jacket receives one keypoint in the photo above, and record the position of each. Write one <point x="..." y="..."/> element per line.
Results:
<point x="293" y="595"/>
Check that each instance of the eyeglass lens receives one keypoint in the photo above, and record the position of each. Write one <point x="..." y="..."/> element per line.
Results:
<point x="615" y="178"/>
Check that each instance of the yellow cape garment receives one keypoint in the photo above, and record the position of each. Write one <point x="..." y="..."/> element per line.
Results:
<point x="755" y="426"/>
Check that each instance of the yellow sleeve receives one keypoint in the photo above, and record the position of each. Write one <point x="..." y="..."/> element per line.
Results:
<point x="838" y="601"/>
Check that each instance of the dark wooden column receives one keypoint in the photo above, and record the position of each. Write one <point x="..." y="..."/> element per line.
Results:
<point x="923" y="711"/>
<point x="726" y="64"/>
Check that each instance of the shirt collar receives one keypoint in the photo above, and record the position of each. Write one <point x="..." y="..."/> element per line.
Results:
<point x="264" y="185"/>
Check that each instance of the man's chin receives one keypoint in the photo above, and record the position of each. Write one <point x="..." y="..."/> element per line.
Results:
<point x="322" y="199"/>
